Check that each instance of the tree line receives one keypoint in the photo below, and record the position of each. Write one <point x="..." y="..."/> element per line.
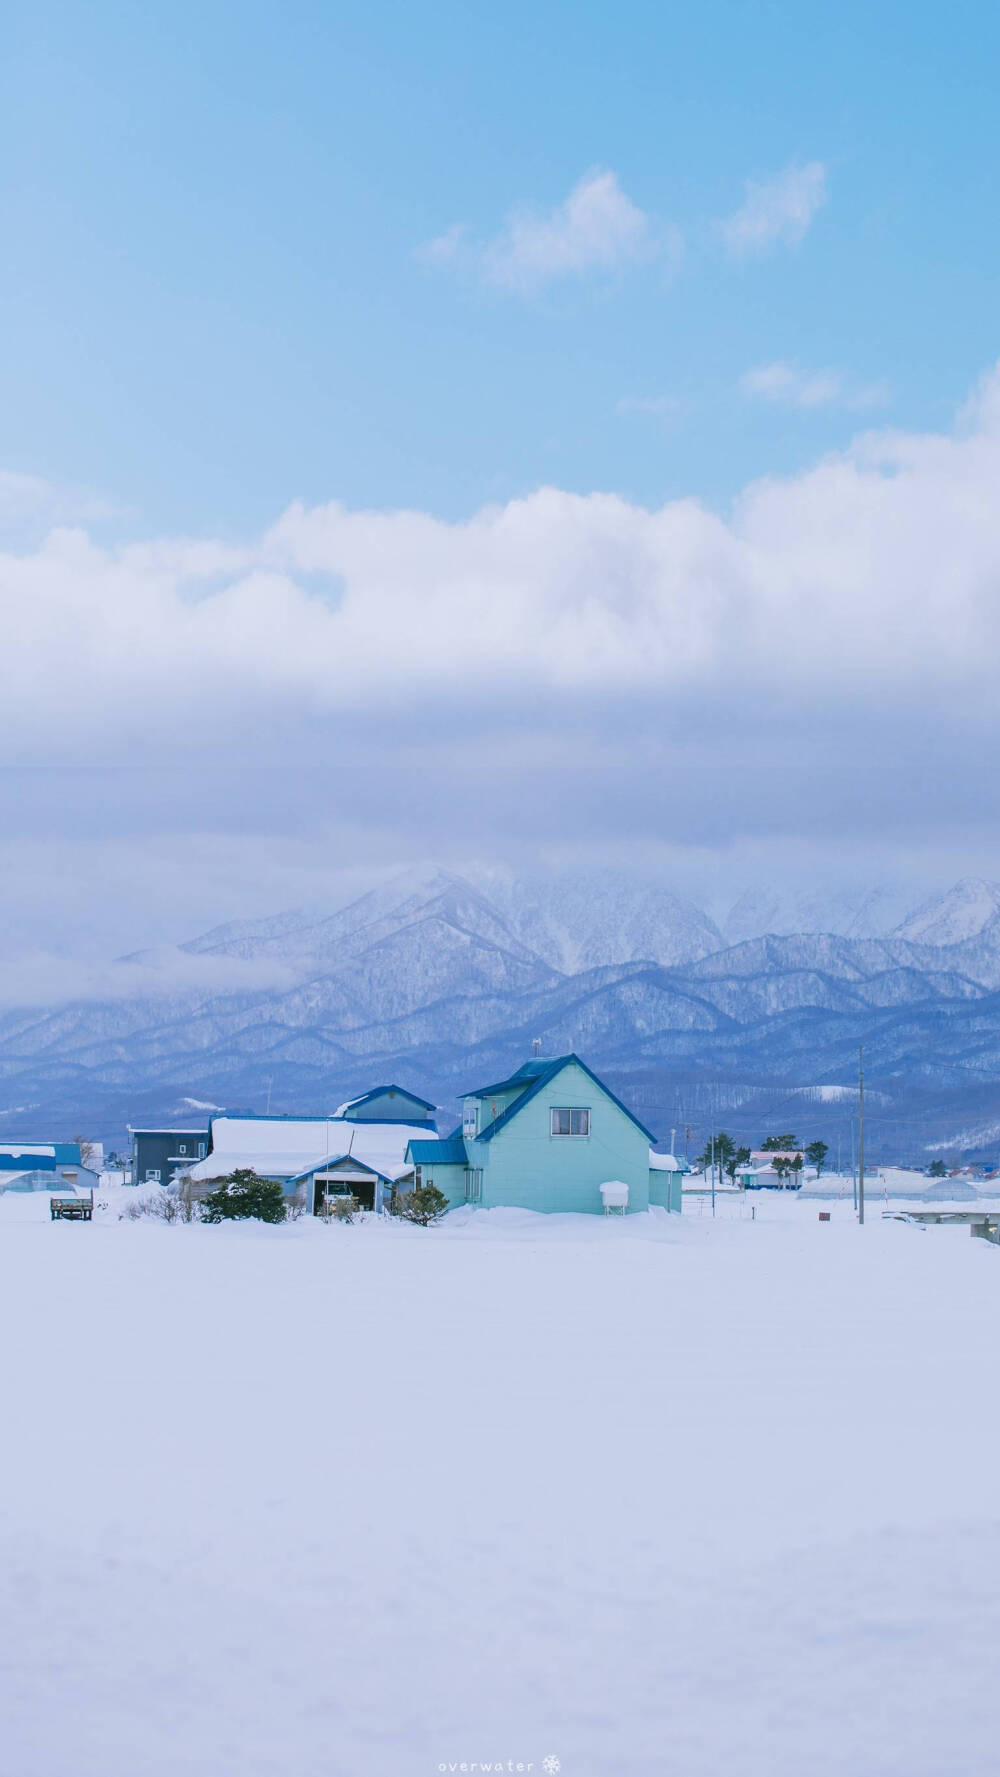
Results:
<point x="722" y="1151"/>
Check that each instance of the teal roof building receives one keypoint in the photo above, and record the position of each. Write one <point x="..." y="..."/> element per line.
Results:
<point x="547" y="1138"/>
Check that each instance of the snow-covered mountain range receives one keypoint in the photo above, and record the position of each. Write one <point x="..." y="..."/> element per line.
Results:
<point x="433" y="977"/>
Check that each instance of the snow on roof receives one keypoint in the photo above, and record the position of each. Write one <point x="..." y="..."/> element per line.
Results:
<point x="287" y="1147"/>
<point x="172" y="1129"/>
<point x="664" y="1162"/>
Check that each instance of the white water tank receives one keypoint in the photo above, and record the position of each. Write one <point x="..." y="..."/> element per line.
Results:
<point x="615" y="1196"/>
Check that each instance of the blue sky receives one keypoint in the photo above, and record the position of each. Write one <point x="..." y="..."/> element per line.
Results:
<point x="216" y="298"/>
<point x="460" y="433"/>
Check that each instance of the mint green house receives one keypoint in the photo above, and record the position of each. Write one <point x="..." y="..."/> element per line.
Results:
<point x="547" y="1138"/>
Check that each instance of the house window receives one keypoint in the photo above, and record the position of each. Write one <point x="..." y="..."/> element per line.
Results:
<point x="568" y="1122"/>
<point x="474" y="1184"/>
<point x="201" y="1150"/>
<point x="182" y="1148"/>
<point x="417" y="1175"/>
<point x="470" y="1117"/>
<point x="152" y="1175"/>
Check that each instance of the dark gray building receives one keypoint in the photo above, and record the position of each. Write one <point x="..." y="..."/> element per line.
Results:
<point x="159" y="1154"/>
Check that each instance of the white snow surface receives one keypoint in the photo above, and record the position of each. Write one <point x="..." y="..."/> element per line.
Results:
<point x="654" y="1496"/>
<point x="287" y="1146"/>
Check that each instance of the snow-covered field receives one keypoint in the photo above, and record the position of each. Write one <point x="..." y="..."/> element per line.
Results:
<point x="687" y="1497"/>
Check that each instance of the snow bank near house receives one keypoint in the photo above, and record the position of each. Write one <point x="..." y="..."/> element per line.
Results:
<point x="651" y="1494"/>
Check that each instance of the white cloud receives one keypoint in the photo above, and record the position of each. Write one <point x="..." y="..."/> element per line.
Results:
<point x="596" y="228"/>
<point x="38" y="978"/>
<point x="659" y="406"/>
<point x="776" y="211"/>
<point x="192" y="729"/>
<point x="23" y="494"/>
<point x="29" y="501"/>
<point x="445" y="248"/>
<point x="787" y="385"/>
<point x="887" y="553"/>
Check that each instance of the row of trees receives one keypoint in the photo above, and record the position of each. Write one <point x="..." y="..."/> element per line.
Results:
<point x="722" y="1152"/>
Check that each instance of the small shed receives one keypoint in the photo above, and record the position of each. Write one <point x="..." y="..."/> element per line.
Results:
<point x="342" y="1175"/>
<point x="666" y="1178"/>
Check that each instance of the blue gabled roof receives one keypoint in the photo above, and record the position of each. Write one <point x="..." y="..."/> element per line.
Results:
<point x="542" y="1073"/>
<point x="381" y="1092"/>
<point x="449" y="1152"/>
<point x="524" y="1077"/>
<point x="335" y="1160"/>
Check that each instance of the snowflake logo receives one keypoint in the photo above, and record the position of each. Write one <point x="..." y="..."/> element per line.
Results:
<point x="551" y="1765"/>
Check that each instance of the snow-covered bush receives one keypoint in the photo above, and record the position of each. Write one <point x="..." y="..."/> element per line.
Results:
<point x="424" y="1204"/>
<point x="342" y="1208"/>
<point x="244" y="1196"/>
<point x="164" y="1207"/>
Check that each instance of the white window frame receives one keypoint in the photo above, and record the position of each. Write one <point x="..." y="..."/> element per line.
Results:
<point x="571" y="1111"/>
<point x="152" y="1175"/>
<point x="473" y="1184"/>
<point x="470" y="1118"/>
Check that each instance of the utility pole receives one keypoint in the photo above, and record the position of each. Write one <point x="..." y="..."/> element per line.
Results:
<point x="713" y="1175"/>
<point x="861" y="1135"/>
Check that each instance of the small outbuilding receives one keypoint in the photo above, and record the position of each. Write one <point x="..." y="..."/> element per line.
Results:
<point x="666" y="1180"/>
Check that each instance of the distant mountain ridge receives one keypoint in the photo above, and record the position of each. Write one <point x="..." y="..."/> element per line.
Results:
<point x="433" y="976"/>
<point x="963" y="914"/>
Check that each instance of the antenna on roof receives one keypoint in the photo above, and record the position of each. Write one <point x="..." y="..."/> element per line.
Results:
<point x="536" y="1045"/>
